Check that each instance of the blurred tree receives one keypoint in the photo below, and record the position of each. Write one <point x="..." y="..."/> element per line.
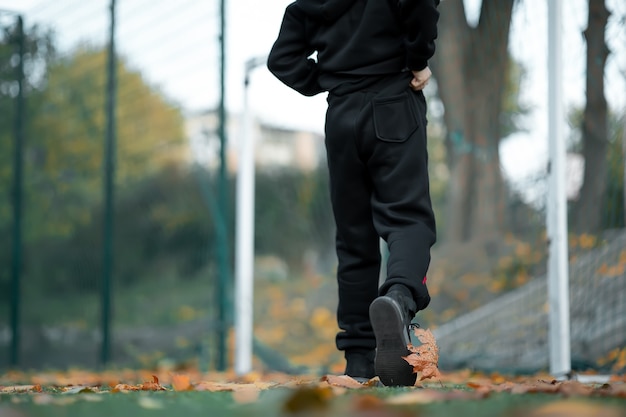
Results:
<point x="588" y="210"/>
<point x="293" y="215"/>
<point x="39" y="48"/>
<point x="612" y="203"/>
<point x="66" y="139"/>
<point x="471" y="67"/>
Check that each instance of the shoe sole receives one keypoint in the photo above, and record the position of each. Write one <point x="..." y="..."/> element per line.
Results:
<point x="392" y="340"/>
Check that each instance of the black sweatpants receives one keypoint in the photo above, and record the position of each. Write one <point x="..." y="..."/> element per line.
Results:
<point x="378" y="165"/>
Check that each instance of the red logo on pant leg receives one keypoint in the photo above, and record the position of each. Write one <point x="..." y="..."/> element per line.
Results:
<point x="424" y="280"/>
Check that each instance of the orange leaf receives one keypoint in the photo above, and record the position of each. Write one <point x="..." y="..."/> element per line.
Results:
<point x="424" y="358"/>
<point x="181" y="383"/>
<point x="152" y="385"/>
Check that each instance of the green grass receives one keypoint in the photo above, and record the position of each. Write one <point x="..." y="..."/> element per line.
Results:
<point x="270" y="403"/>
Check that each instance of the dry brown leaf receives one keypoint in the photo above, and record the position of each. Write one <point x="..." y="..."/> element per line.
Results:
<point x="181" y="383"/>
<point x="124" y="388"/>
<point x="574" y="388"/>
<point x="424" y="358"/>
<point x="310" y="398"/>
<point x="617" y="390"/>
<point x="342" y="381"/>
<point x="152" y="385"/>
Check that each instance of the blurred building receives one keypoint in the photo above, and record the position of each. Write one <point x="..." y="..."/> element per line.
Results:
<point x="275" y="147"/>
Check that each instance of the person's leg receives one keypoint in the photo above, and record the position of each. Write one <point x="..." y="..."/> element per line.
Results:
<point x="357" y="242"/>
<point x="403" y="216"/>
<point x="402" y="210"/>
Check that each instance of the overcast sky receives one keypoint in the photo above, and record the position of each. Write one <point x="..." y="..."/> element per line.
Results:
<point x="174" y="44"/>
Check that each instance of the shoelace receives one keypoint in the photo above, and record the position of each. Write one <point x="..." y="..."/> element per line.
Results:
<point x="411" y="328"/>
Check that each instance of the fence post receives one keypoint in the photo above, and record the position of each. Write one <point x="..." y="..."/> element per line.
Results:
<point x="18" y="188"/>
<point x="558" y="273"/>
<point x="223" y="258"/>
<point x="109" y="188"/>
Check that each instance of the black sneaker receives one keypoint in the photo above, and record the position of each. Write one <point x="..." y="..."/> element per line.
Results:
<point x="360" y="365"/>
<point x="390" y="322"/>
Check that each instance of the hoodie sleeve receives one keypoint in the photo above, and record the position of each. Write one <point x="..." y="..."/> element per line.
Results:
<point x="419" y="20"/>
<point x="289" y="58"/>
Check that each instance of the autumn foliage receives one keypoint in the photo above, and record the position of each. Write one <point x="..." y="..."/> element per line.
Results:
<point x="425" y="357"/>
<point x="333" y="394"/>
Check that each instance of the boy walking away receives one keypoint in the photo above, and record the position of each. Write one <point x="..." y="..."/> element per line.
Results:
<point x="372" y="59"/>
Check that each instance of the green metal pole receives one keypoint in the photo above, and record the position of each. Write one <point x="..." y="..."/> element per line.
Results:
<point x="223" y="293"/>
<point x="18" y="184"/>
<point x="109" y="188"/>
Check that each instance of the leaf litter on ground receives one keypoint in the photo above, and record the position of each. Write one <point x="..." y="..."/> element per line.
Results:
<point x="308" y="392"/>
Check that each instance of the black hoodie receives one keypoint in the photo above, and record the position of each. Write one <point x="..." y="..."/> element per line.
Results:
<point x="352" y="38"/>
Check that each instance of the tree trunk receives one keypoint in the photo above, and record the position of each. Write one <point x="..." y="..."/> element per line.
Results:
<point x="588" y="210"/>
<point x="470" y="67"/>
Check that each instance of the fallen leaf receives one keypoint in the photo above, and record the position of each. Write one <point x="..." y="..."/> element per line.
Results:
<point x="152" y="385"/>
<point x="424" y="358"/>
<point x="181" y="383"/>
<point x="20" y="388"/>
<point x="617" y="390"/>
<point x="574" y="388"/>
<point x="344" y="381"/>
<point x="308" y="399"/>
<point x="124" y="388"/>
<point x="215" y="386"/>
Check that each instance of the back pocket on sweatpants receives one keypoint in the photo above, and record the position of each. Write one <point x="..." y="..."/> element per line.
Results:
<point x="394" y="118"/>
